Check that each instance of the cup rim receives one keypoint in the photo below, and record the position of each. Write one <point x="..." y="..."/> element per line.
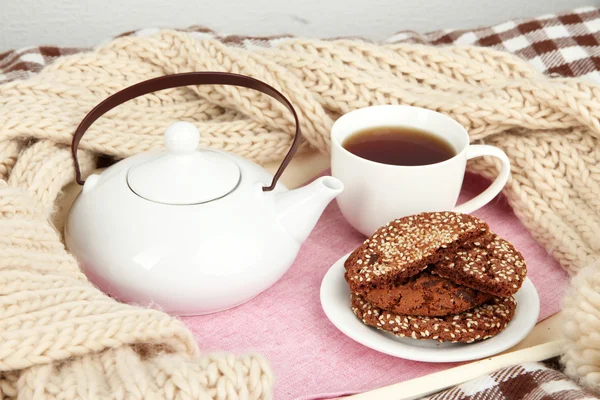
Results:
<point x="337" y="143"/>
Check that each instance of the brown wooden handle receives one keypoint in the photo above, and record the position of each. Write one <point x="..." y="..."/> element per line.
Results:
<point x="185" y="79"/>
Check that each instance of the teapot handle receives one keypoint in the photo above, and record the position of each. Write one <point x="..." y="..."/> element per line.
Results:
<point x="186" y="79"/>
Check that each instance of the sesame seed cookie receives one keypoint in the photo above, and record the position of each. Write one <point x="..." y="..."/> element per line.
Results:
<point x="404" y="247"/>
<point x="496" y="268"/>
<point x="427" y="295"/>
<point x="480" y="323"/>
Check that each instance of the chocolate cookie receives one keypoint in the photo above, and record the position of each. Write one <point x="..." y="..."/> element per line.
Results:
<point x="405" y="247"/>
<point x="427" y="295"/>
<point x="496" y="268"/>
<point x="481" y="323"/>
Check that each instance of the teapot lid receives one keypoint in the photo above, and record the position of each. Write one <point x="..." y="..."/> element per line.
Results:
<point x="184" y="175"/>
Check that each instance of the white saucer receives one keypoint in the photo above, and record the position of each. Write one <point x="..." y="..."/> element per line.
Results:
<point x="335" y="300"/>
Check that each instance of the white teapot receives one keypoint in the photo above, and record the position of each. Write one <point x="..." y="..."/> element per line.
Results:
<point x="191" y="231"/>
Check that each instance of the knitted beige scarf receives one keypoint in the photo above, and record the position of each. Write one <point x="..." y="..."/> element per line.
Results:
<point x="62" y="338"/>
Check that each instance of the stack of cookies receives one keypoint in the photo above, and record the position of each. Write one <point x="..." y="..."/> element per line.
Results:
<point x="443" y="276"/>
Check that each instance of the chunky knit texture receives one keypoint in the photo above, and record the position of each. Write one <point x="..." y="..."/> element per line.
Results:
<point x="548" y="126"/>
<point x="60" y="337"/>
<point x="581" y="310"/>
<point x="57" y="329"/>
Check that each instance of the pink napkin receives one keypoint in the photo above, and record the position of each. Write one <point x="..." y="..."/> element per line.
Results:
<point x="310" y="357"/>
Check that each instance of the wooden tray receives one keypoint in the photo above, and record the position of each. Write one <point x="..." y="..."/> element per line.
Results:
<point x="542" y="343"/>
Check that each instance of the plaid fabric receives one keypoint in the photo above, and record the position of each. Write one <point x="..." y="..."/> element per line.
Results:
<point x="528" y="381"/>
<point x="566" y="44"/>
<point x="23" y="63"/>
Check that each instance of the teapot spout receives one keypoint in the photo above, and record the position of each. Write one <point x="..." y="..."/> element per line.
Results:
<point x="299" y="210"/>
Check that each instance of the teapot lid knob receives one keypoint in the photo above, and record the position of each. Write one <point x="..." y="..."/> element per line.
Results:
<point x="182" y="138"/>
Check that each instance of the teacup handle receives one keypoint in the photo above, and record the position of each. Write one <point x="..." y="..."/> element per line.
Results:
<point x="479" y="150"/>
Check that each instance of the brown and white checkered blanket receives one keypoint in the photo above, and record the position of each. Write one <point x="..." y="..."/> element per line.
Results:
<point x="527" y="381"/>
<point x="566" y="44"/>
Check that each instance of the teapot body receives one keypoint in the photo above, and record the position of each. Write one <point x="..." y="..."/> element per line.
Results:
<point x="190" y="231"/>
<point x="185" y="260"/>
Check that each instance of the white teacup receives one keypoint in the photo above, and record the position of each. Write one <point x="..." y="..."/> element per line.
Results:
<point x="377" y="193"/>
